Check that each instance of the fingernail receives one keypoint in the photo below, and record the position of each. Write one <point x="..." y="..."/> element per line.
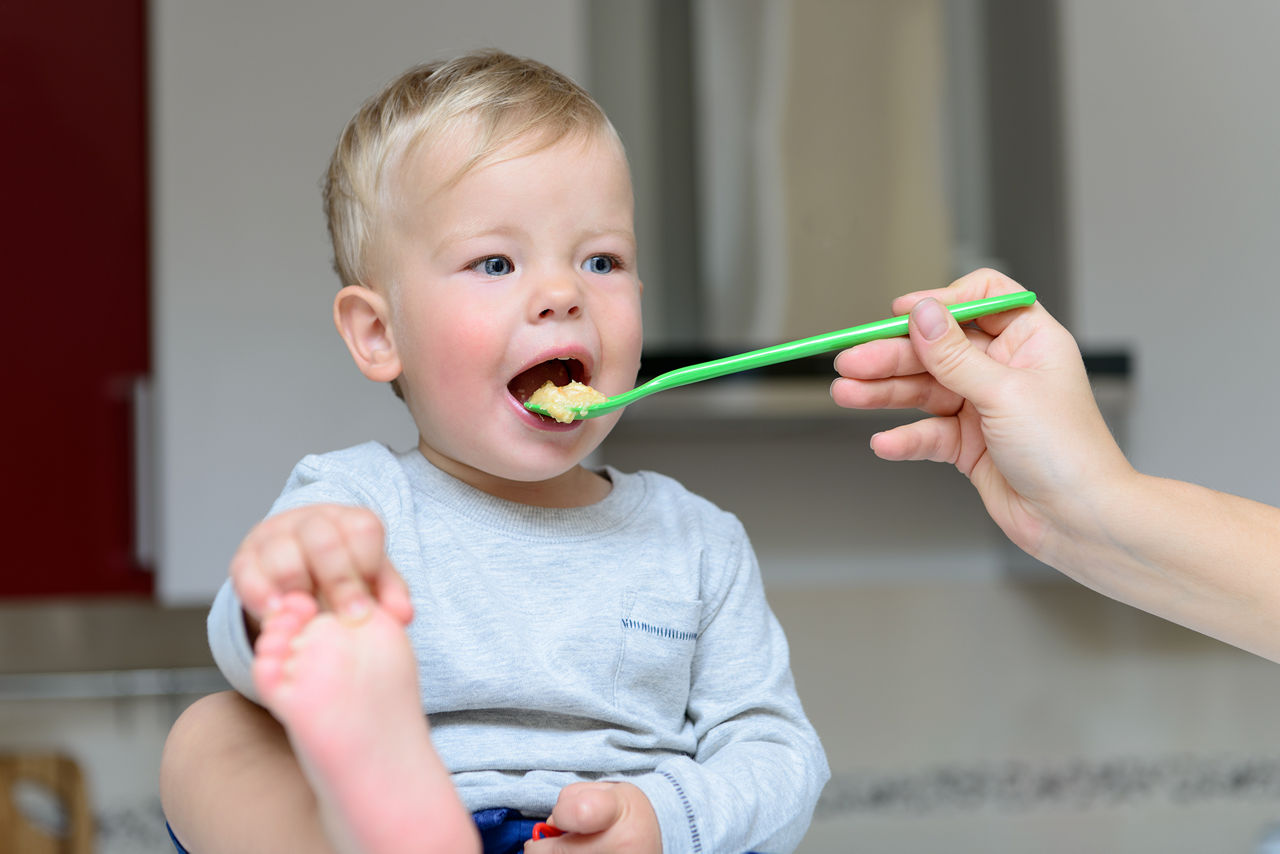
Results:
<point x="930" y="318"/>
<point x="356" y="610"/>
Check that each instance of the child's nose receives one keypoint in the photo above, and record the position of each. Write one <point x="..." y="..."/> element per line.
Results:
<point x="557" y="299"/>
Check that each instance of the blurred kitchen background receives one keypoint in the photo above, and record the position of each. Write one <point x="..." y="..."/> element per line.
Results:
<point x="798" y="163"/>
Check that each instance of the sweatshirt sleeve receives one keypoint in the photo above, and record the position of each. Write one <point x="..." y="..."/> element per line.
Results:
<point x="759" y="767"/>
<point x="229" y="641"/>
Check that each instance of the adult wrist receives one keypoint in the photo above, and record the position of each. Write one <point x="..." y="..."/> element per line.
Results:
<point x="1087" y="530"/>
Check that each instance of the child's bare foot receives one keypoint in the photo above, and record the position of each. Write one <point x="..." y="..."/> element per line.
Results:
<point x="347" y="694"/>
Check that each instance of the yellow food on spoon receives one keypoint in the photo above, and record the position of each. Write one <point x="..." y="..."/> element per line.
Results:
<point x="562" y="402"/>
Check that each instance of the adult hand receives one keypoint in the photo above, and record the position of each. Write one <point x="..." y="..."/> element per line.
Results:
<point x="1010" y="403"/>
<point x="1012" y="409"/>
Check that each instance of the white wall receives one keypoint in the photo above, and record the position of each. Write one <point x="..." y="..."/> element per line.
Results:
<point x="1174" y="208"/>
<point x="249" y="99"/>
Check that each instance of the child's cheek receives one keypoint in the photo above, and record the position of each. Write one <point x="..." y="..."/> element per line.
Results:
<point x="465" y="348"/>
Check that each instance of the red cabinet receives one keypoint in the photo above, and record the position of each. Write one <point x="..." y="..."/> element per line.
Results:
<point x="73" y="144"/>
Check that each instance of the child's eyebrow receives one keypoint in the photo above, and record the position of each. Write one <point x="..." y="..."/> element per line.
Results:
<point x="479" y="232"/>
<point x="482" y="231"/>
<point x="625" y="234"/>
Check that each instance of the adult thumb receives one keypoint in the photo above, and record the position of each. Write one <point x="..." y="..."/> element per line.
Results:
<point x="947" y="354"/>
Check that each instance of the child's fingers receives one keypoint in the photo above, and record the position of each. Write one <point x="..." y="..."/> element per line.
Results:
<point x="393" y="593"/>
<point x="335" y="553"/>
<point x="282" y="559"/>
<point x="601" y="818"/>
<point x="333" y="566"/>
<point x="256" y="592"/>
<point x="363" y="533"/>
<point x="586" y="808"/>
<point x="361" y="530"/>
<point x="268" y="564"/>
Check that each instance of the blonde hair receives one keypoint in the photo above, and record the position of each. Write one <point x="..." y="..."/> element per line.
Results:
<point x="500" y="98"/>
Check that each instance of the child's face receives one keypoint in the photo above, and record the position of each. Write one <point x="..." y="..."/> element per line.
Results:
<point x="522" y="270"/>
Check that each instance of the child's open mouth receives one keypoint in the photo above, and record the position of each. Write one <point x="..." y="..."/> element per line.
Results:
<point x="560" y="371"/>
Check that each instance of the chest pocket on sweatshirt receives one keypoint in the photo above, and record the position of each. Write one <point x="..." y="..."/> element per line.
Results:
<point x="658" y="640"/>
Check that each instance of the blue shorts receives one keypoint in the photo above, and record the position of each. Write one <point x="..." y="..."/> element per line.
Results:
<point x="502" y="831"/>
<point x="176" y="843"/>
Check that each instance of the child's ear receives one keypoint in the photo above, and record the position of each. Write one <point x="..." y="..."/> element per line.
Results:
<point x="363" y="320"/>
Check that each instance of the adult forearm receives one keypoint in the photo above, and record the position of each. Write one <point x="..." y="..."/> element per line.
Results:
<point x="1201" y="558"/>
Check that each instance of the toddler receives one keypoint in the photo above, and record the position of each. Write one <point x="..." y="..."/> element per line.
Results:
<point x="589" y="646"/>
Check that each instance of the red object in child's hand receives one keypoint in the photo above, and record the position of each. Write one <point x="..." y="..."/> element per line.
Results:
<point x="542" y="830"/>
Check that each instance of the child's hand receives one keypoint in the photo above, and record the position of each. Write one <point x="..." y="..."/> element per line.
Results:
<point x="602" y="818"/>
<point x="332" y="552"/>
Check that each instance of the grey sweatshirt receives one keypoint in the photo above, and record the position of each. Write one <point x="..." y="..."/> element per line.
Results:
<point x="628" y="640"/>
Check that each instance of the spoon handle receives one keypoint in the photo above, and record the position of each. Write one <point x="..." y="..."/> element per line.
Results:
<point x="892" y="327"/>
<point x="841" y="339"/>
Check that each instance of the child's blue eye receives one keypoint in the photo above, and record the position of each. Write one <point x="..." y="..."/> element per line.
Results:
<point x="495" y="265"/>
<point x="600" y="264"/>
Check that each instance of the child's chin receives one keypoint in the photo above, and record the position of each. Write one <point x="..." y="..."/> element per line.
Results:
<point x="543" y="473"/>
<point x="546" y="467"/>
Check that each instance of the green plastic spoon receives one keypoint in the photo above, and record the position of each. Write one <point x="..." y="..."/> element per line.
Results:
<point x="892" y="327"/>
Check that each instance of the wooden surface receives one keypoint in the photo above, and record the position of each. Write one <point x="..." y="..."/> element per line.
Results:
<point x="61" y="778"/>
